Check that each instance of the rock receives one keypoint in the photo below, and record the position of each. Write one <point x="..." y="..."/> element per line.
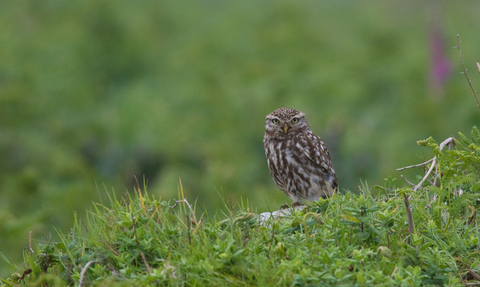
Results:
<point x="279" y="214"/>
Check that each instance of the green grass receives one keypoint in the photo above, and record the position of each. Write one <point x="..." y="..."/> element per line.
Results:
<point x="360" y="239"/>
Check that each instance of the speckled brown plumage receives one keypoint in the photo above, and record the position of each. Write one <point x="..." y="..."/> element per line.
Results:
<point x="298" y="160"/>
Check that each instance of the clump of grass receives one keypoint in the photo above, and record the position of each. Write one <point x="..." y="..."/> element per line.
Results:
<point x="362" y="239"/>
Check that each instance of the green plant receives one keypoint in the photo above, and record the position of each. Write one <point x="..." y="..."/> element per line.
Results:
<point x="141" y="241"/>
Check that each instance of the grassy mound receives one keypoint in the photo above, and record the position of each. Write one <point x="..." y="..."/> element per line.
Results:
<point x="423" y="235"/>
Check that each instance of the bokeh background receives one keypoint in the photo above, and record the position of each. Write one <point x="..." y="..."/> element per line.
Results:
<point x="95" y="92"/>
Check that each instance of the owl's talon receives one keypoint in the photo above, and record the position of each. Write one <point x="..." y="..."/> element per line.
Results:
<point x="295" y="204"/>
<point x="292" y="205"/>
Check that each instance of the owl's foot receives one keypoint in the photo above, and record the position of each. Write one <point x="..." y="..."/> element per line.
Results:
<point x="293" y="205"/>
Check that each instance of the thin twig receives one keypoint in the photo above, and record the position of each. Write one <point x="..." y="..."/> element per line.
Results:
<point x="411" y="229"/>
<point x="116" y="273"/>
<point x="465" y="70"/>
<point x="145" y="262"/>
<point x="188" y="230"/>
<point x="84" y="270"/>
<point x="394" y="270"/>
<point x="189" y="207"/>
<point x="473" y="274"/>
<point x="176" y="203"/>
<point x="25" y="273"/>
<point x="416" y="165"/>
<point x="450" y="140"/>
<point x="426" y="175"/>
<point x="413" y="184"/>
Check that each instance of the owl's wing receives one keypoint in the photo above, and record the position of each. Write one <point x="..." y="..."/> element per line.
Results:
<point x="316" y="151"/>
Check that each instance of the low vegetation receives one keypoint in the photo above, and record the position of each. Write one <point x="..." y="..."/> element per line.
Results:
<point x="422" y="235"/>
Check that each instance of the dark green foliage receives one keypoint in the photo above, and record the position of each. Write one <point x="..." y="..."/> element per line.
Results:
<point x="456" y="173"/>
<point x="351" y="239"/>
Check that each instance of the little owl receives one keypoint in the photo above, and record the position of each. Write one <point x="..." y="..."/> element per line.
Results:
<point x="298" y="160"/>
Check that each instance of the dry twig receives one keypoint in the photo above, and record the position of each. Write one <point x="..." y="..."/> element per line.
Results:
<point x="394" y="270"/>
<point x="145" y="262"/>
<point x="177" y="202"/>
<point x="84" y="270"/>
<point x="473" y="274"/>
<point x="416" y="165"/>
<point x="465" y="70"/>
<point x="413" y="184"/>
<point x="416" y="187"/>
<point x="449" y="142"/>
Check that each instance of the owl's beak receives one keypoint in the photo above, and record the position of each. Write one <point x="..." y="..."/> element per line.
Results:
<point x="285" y="128"/>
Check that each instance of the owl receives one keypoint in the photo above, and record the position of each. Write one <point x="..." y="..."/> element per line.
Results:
<point x="298" y="160"/>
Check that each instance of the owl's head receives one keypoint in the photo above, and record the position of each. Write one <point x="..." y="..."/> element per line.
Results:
<point x="284" y="123"/>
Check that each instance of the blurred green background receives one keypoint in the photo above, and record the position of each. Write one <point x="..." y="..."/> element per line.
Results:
<point x="94" y="92"/>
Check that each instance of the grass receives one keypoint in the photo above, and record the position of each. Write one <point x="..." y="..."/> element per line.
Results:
<point x="360" y="239"/>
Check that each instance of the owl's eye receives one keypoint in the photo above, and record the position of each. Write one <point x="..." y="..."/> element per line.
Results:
<point x="295" y="120"/>
<point x="275" y="121"/>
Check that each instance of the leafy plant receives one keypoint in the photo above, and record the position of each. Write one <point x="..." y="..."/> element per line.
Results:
<point x="347" y="239"/>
